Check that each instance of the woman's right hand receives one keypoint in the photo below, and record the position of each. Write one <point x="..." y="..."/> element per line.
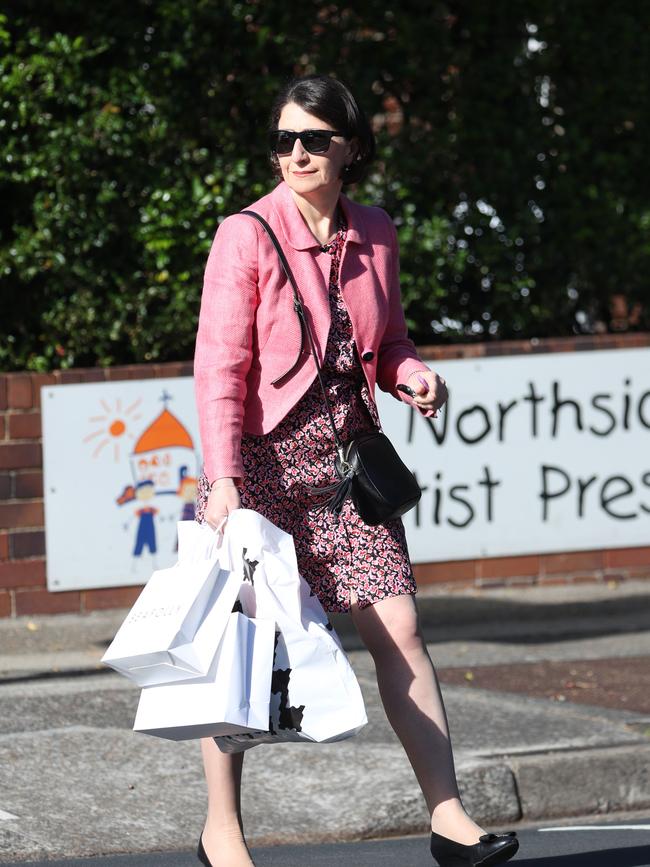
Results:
<point x="221" y="501"/>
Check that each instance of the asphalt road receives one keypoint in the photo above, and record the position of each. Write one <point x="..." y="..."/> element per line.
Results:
<point x="620" y="843"/>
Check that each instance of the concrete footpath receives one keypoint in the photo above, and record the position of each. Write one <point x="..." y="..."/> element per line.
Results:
<point x="546" y="692"/>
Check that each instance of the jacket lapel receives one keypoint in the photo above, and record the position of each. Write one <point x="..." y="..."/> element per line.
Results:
<point x="295" y="228"/>
<point x="312" y="270"/>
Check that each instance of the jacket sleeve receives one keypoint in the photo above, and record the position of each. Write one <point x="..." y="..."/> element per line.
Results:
<point x="397" y="358"/>
<point x="224" y="345"/>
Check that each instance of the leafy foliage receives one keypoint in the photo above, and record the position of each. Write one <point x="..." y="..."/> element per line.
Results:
<point x="512" y="139"/>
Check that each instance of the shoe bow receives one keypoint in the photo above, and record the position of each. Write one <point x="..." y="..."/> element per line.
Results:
<point x="489" y="838"/>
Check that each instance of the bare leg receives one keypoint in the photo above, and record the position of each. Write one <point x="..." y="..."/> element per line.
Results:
<point x="413" y="703"/>
<point x="223" y="836"/>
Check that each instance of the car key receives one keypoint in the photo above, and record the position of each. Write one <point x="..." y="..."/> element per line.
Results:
<point x="406" y="389"/>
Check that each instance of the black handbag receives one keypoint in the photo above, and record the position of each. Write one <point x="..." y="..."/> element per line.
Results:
<point x="370" y="471"/>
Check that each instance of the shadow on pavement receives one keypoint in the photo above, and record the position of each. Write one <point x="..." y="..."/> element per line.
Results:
<point x="520" y="618"/>
<point x="499" y="619"/>
<point x="635" y="856"/>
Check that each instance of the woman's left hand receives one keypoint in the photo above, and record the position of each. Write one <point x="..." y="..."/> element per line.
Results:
<point x="430" y="389"/>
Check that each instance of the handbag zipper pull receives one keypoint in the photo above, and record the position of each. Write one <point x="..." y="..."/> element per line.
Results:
<point x="345" y="466"/>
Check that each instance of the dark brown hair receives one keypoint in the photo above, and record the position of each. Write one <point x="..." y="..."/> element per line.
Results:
<point x="331" y="101"/>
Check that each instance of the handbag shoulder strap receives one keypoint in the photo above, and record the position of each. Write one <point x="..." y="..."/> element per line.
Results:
<point x="300" y="310"/>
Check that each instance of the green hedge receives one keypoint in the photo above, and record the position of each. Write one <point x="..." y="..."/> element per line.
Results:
<point x="513" y="140"/>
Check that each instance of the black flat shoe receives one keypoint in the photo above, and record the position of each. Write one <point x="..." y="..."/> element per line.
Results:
<point x="490" y="849"/>
<point x="200" y="854"/>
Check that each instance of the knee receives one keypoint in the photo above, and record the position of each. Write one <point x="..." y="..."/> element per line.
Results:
<point x="397" y="637"/>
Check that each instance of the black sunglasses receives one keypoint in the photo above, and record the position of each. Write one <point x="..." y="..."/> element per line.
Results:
<point x="314" y="141"/>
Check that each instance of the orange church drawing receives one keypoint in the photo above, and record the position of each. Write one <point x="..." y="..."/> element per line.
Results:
<point x="163" y="464"/>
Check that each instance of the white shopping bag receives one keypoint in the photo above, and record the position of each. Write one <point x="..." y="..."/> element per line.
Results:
<point x="172" y="631"/>
<point x="233" y="697"/>
<point x="315" y="695"/>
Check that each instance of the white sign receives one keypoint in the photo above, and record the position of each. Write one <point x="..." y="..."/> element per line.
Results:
<point x="120" y="464"/>
<point x="531" y="454"/>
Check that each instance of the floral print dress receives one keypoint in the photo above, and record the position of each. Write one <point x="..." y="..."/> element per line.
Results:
<point x="335" y="556"/>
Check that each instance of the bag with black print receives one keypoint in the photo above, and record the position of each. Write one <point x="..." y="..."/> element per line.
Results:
<point x="315" y="695"/>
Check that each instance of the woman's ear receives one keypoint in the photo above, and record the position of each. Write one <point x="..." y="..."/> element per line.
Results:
<point x="353" y="150"/>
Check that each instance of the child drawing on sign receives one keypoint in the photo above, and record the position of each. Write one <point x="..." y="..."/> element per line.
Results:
<point x="146" y="532"/>
<point x="187" y="492"/>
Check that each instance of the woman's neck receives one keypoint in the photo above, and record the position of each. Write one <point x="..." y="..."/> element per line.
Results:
<point x="319" y="212"/>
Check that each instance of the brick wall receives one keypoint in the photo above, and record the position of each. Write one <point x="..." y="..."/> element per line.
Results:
<point x="22" y="536"/>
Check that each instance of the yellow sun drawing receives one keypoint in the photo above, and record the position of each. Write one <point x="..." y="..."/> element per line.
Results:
<point x="114" y="426"/>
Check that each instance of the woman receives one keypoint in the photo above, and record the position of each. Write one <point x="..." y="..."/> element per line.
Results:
<point x="266" y="435"/>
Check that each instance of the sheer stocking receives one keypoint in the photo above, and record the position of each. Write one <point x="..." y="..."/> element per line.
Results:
<point x="414" y="706"/>
<point x="223" y="835"/>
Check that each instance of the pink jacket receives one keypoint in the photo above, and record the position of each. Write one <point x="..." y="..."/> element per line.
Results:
<point x="249" y="334"/>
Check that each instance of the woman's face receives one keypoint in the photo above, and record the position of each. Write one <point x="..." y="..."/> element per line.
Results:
<point x="309" y="173"/>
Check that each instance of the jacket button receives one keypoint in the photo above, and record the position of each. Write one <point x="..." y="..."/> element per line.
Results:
<point x="368" y="356"/>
